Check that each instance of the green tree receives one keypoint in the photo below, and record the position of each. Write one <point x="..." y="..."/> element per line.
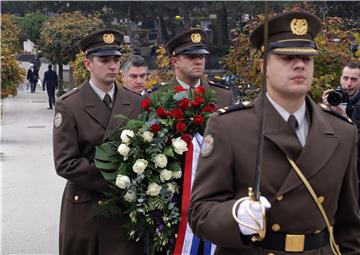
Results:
<point x="11" y="72"/>
<point x="60" y="35"/>
<point x="31" y="24"/>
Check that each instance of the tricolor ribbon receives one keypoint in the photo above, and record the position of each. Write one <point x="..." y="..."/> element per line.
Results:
<point x="187" y="243"/>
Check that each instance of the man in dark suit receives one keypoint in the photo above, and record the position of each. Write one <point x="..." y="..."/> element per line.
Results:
<point x="83" y="120"/>
<point x="51" y="82"/>
<point x="187" y="52"/>
<point x="296" y="130"/>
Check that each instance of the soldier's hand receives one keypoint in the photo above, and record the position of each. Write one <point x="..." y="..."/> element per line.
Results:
<point x="325" y="96"/>
<point x="250" y="213"/>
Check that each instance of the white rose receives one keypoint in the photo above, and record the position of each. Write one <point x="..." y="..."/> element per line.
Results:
<point x="165" y="175"/>
<point x="148" y="136"/>
<point x="130" y="196"/>
<point x="160" y="160"/>
<point x="176" y="175"/>
<point x="126" y="136"/>
<point x="122" y="181"/>
<point x="153" y="189"/>
<point x="139" y="166"/>
<point x="171" y="188"/>
<point x="124" y="150"/>
<point x="179" y="145"/>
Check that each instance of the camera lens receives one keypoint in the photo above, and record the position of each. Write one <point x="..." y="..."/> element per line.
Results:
<point x="334" y="98"/>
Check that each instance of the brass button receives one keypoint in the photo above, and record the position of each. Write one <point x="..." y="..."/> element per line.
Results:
<point x="321" y="199"/>
<point x="279" y="198"/>
<point x="317" y="232"/>
<point x="275" y="227"/>
<point x="76" y="198"/>
<point x="100" y="202"/>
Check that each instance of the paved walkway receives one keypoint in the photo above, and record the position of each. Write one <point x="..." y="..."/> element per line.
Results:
<point x="31" y="190"/>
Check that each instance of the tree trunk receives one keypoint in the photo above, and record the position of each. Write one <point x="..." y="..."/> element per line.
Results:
<point x="61" y="80"/>
<point x="222" y="27"/>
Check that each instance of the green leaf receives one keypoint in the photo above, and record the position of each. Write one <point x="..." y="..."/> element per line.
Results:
<point x="105" y="165"/>
<point x="169" y="152"/>
<point x="165" y="122"/>
<point x="109" y="176"/>
<point x="173" y="166"/>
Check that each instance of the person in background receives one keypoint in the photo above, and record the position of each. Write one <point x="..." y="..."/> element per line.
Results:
<point x="32" y="77"/>
<point x="50" y="81"/>
<point x="134" y="73"/>
<point x="298" y="136"/>
<point x="350" y="83"/>
<point x="83" y="120"/>
<point x="187" y="52"/>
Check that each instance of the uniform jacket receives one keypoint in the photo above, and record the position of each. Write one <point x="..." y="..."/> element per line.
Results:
<point x="84" y="123"/>
<point x="223" y="96"/>
<point x="328" y="160"/>
<point x="50" y="79"/>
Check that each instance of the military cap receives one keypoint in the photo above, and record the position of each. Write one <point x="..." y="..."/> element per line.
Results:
<point x="104" y="42"/>
<point x="290" y="33"/>
<point x="190" y="42"/>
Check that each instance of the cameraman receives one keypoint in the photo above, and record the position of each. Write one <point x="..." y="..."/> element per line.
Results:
<point x="350" y="96"/>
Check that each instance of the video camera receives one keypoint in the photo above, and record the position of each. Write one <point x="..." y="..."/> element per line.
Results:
<point x="337" y="96"/>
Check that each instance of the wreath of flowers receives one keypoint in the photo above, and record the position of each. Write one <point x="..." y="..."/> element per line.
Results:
<point x="144" y="163"/>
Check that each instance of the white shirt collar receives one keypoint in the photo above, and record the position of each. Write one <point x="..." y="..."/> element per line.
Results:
<point x="186" y="86"/>
<point x="299" y="114"/>
<point x="101" y="93"/>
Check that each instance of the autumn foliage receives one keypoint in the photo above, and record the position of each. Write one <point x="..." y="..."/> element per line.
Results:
<point x="11" y="72"/>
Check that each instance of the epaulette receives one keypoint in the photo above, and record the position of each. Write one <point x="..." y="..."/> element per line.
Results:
<point x="69" y="93"/>
<point x="235" y="107"/>
<point x="328" y="109"/>
<point x="219" y="85"/>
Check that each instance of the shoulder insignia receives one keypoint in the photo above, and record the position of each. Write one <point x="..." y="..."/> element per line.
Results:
<point x="219" y="85"/>
<point x="328" y="109"/>
<point x="235" y="107"/>
<point x="58" y="120"/>
<point x="69" y="93"/>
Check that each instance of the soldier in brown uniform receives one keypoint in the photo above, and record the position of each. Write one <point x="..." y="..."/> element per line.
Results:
<point x="187" y="52"/>
<point x="83" y="120"/>
<point x="322" y="144"/>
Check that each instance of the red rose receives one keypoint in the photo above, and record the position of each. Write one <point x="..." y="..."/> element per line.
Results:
<point x="199" y="90"/>
<point x="209" y="108"/>
<point x="180" y="127"/>
<point x="155" y="127"/>
<point x="145" y="104"/>
<point x="177" y="114"/>
<point x="198" y="120"/>
<point x="184" y="104"/>
<point x="161" y="112"/>
<point x="179" y="89"/>
<point x="187" y="138"/>
<point x="198" y="100"/>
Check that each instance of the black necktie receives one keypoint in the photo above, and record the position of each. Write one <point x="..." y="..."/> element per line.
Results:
<point x="107" y="101"/>
<point x="293" y="124"/>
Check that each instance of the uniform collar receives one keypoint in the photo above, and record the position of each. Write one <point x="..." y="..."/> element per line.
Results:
<point x="186" y="86"/>
<point x="299" y="114"/>
<point x="101" y="93"/>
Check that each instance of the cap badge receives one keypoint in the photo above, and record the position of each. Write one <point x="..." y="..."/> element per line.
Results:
<point x="299" y="26"/>
<point x="108" y="38"/>
<point x="195" y="37"/>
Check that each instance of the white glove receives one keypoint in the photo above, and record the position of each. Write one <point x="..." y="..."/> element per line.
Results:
<point x="255" y="208"/>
